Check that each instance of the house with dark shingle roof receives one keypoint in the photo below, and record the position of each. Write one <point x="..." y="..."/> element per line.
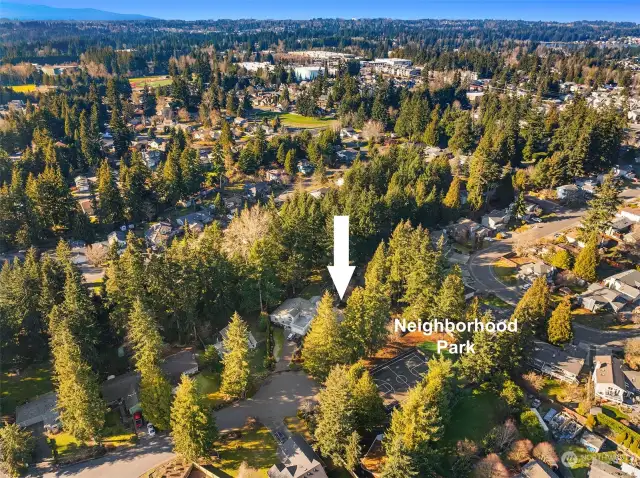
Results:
<point x="297" y="460"/>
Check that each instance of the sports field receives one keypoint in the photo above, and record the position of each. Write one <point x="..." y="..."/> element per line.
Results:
<point x="295" y="120"/>
<point x="23" y="88"/>
<point x="150" y="81"/>
<point x="395" y="377"/>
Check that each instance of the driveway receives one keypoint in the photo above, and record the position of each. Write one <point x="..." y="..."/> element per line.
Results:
<point x="279" y="397"/>
<point x="127" y="463"/>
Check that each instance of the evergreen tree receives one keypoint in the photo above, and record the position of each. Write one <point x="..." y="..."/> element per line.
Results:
<point x="290" y="163"/>
<point x="587" y="261"/>
<point x="462" y="139"/>
<point x="366" y="316"/>
<point x="559" y="330"/>
<point x="352" y="451"/>
<point x="602" y="208"/>
<point x="109" y="201"/>
<point x="193" y="426"/>
<point x="398" y="463"/>
<point x="451" y="201"/>
<point x="191" y="171"/>
<point x="81" y="409"/>
<point x="155" y="389"/>
<point x="562" y="259"/>
<point x="235" y="375"/>
<point x="322" y="347"/>
<point x="16" y="448"/>
<point x="425" y="412"/>
<point x="532" y="310"/>
<point x="432" y="135"/>
<point x="451" y="303"/>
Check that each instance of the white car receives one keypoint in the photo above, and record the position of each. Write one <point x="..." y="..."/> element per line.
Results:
<point x="151" y="430"/>
<point x="536" y="219"/>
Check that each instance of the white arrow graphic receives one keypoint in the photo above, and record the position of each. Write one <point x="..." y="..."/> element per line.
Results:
<point x="341" y="271"/>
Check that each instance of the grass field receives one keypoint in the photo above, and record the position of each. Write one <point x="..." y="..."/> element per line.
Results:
<point x="473" y="417"/>
<point x="209" y="384"/>
<point x="23" y="88"/>
<point x="431" y="349"/>
<point x="150" y="81"/>
<point x="18" y="389"/>
<point x="257" y="447"/>
<point x="295" y="120"/>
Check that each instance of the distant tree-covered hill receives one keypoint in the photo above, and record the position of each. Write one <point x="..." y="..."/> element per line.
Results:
<point x="17" y="11"/>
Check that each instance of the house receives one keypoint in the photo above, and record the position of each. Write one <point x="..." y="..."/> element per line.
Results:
<point x="256" y="190"/>
<point x="530" y="272"/>
<point x="159" y="234"/>
<point x="346" y="156"/>
<point x="632" y="237"/>
<point x="82" y="184"/>
<point x="349" y="133"/>
<point x="619" y="227"/>
<point x="536" y="469"/>
<point x="466" y="230"/>
<point x="592" y="442"/>
<point x="608" y="379"/>
<point x="158" y="143"/>
<point x="296" y="314"/>
<point x="600" y="469"/>
<point x="600" y="298"/>
<point x="232" y="203"/>
<point x="238" y="121"/>
<point x="496" y="219"/>
<point x="87" y="207"/>
<point x="567" y="191"/>
<point x="633" y="471"/>
<point x="222" y="335"/>
<point x="573" y="238"/>
<point x="318" y="193"/>
<point x="40" y="410"/>
<point x="275" y="175"/>
<point x="305" y="167"/>
<point x="631" y="213"/>
<point x="117" y="237"/>
<point x="626" y="283"/>
<point x="152" y="157"/>
<point x="564" y="365"/>
<point x="201" y="217"/>
<point x="297" y="460"/>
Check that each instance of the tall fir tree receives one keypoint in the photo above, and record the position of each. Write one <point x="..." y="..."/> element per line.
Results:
<point x="235" y="374"/>
<point x="588" y="259"/>
<point x="155" y="389"/>
<point x="79" y="404"/>
<point x="322" y="347"/>
<point x="109" y="201"/>
<point x="559" y="329"/>
<point x="193" y="425"/>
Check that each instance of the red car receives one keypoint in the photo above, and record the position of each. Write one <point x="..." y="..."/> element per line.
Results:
<point x="137" y="419"/>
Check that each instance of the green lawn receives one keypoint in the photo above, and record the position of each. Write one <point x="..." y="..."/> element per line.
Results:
<point x="278" y="342"/>
<point x="150" y="81"/>
<point x="257" y="447"/>
<point x="431" y="349"/>
<point x="297" y="121"/>
<point x="472" y="418"/>
<point x="495" y="302"/>
<point x="581" y="468"/>
<point x="67" y="444"/>
<point x="18" y="389"/>
<point x="209" y="383"/>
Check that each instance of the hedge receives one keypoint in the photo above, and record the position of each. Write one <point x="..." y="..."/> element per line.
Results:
<point x="623" y="435"/>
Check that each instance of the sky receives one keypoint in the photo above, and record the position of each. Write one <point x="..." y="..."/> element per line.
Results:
<point x="555" y="10"/>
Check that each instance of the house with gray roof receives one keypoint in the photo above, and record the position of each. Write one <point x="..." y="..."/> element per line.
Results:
<point x="600" y="469"/>
<point x="564" y="365"/>
<point x="536" y="469"/>
<point x="608" y="379"/>
<point x="297" y="460"/>
<point x="40" y="410"/>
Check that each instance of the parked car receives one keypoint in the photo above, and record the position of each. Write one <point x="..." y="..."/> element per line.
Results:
<point x="151" y="430"/>
<point x="536" y="219"/>
<point x="291" y="337"/>
<point x="137" y="419"/>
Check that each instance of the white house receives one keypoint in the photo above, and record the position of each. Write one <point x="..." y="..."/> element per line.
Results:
<point x="82" y="184"/>
<point x="296" y="314"/>
<point x="496" y="218"/>
<point x="222" y="335"/>
<point x="152" y="157"/>
<point x="566" y="191"/>
<point x="117" y="237"/>
<point x="626" y="283"/>
<point x="608" y="379"/>
<point x="349" y="133"/>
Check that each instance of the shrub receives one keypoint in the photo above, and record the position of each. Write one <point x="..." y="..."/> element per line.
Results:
<point x="210" y="358"/>
<point x="530" y="427"/>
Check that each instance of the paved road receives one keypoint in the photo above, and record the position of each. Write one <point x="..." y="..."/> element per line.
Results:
<point x="279" y="397"/>
<point x="127" y="463"/>
<point x="481" y="268"/>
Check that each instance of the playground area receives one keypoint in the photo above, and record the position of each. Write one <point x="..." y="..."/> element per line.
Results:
<point x="395" y="377"/>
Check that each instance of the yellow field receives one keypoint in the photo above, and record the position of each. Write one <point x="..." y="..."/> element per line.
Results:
<point x="23" y="88"/>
